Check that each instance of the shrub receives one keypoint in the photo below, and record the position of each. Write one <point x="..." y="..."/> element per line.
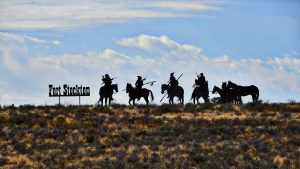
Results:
<point x="291" y="101"/>
<point x="3" y="161"/>
<point x="60" y="121"/>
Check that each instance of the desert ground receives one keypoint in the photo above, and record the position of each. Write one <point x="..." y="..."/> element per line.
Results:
<point x="156" y="136"/>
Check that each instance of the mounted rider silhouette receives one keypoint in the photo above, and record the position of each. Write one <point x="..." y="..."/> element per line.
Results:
<point x="200" y="81"/>
<point x="107" y="90"/>
<point x="173" y="81"/>
<point x="107" y="80"/>
<point x="139" y="84"/>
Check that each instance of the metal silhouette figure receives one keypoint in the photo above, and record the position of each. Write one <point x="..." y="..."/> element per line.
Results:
<point x="200" y="81"/>
<point x="173" y="89"/>
<point x="245" y="90"/>
<point x="200" y="90"/>
<point x="221" y="92"/>
<point x="106" y="92"/>
<point x="229" y="96"/>
<point x="139" y="85"/>
<point x="135" y="93"/>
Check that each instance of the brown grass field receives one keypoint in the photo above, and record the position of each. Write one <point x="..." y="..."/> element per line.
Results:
<point x="206" y="136"/>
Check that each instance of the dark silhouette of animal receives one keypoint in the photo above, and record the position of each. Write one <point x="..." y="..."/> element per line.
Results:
<point x="228" y="97"/>
<point x="173" y="92"/>
<point x="106" y="92"/>
<point x="221" y="92"/>
<point x="231" y="95"/>
<point x="135" y="94"/>
<point x="199" y="92"/>
<point x="245" y="90"/>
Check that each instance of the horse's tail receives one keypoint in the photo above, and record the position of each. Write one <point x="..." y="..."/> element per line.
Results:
<point x="193" y="94"/>
<point x="257" y="95"/>
<point x="182" y="96"/>
<point x="152" y="97"/>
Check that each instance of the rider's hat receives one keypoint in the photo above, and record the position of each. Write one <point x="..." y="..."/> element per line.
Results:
<point x="139" y="77"/>
<point x="106" y="75"/>
<point x="201" y="74"/>
<point x="171" y="74"/>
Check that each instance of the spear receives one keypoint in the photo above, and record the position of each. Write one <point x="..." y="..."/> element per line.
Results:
<point x="169" y="83"/>
<point x="151" y="83"/>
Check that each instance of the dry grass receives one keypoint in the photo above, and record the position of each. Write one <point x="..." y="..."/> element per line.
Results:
<point x="206" y="136"/>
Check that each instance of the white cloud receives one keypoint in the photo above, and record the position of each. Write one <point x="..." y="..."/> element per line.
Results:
<point x="287" y="62"/>
<point x="20" y="38"/>
<point x="275" y="75"/>
<point x="162" y="44"/>
<point x="13" y="49"/>
<point x="66" y="14"/>
<point x="181" y="5"/>
<point x="56" y="42"/>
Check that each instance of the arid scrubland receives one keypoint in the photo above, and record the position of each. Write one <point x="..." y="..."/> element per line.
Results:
<point x="206" y="136"/>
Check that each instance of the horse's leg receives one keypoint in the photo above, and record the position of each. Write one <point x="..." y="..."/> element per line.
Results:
<point x="253" y="98"/>
<point x="146" y="99"/>
<point x="101" y="99"/>
<point x="194" y="100"/>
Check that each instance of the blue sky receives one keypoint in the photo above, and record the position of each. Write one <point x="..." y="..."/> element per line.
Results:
<point x="248" y="42"/>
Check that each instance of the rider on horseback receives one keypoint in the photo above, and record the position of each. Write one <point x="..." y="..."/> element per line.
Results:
<point x="173" y="81"/>
<point x="106" y="91"/>
<point x="107" y="80"/>
<point x="200" y="81"/>
<point x="139" y="84"/>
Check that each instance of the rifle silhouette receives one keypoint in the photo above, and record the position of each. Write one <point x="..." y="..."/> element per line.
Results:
<point x="151" y="83"/>
<point x="111" y="79"/>
<point x="168" y="84"/>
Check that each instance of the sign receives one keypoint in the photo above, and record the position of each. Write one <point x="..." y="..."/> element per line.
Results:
<point x="68" y="91"/>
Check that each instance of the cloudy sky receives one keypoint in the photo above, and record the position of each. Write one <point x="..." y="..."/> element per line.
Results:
<point x="76" y="42"/>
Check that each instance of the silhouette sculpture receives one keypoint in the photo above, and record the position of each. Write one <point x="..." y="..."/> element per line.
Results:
<point x="231" y="95"/>
<point x="245" y="90"/>
<point x="173" y="90"/>
<point x="200" y="90"/>
<point x="106" y="91"/>
<point x="221" y="92"/>
<point x="135" y="93"/>
<point x="228" y="97"/>
<point x="138" y="85"/>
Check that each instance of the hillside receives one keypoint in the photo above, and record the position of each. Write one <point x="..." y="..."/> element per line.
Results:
<point x="206" y="136"/>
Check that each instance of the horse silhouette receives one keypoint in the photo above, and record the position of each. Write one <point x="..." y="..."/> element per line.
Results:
<point x="173" y="92"/>
<point x="134" y="94"/>
<point x="106" y="92"/>
<point x="229" y="97"/>
<point x="198" y="93"/>
<point x="245" y="90"/>
<point x="221" y="92"/>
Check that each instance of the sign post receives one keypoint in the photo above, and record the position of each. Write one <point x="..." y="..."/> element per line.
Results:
<point x="67" y="91"/>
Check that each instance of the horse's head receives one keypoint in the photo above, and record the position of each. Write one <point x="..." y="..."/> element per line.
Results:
<point x="115" y="87"/>
<point x="214" y="89"/>
<point x="163" y="88"/>
<point x="128" y="87"/>
<point x="231" y="84"/>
